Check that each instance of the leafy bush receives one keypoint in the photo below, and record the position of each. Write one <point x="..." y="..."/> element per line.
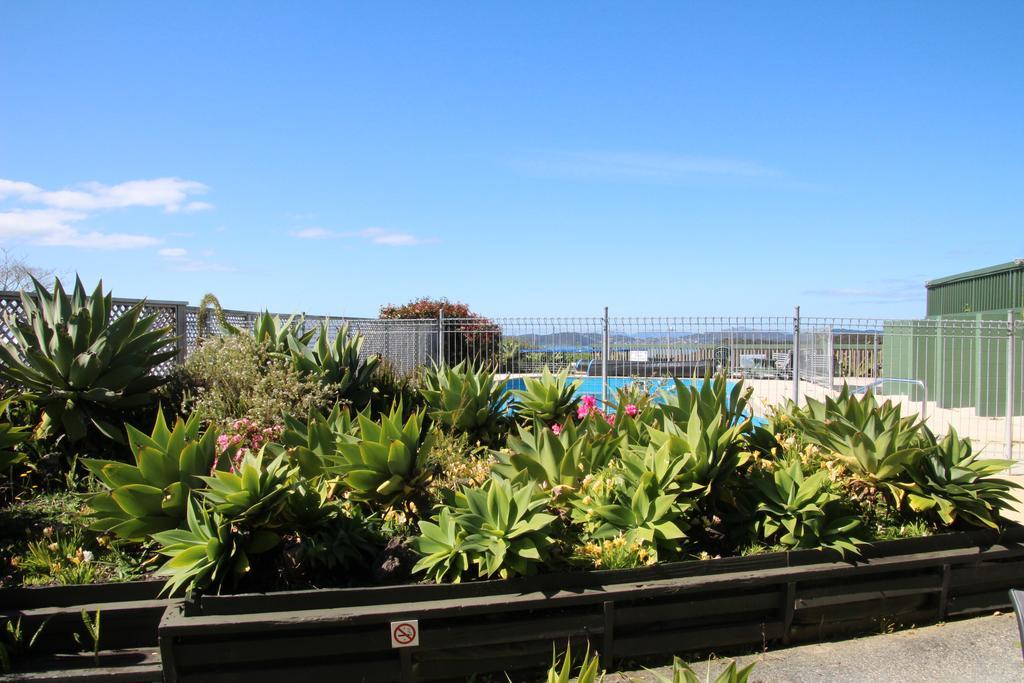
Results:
<point x="467" y="399"/>
<point x="81" y="368"/>
<point x="230" y="377"/>
<point x="550" y="398"/>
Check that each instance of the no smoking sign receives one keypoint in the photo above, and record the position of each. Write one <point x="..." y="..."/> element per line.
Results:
<point x="405" y="633"/>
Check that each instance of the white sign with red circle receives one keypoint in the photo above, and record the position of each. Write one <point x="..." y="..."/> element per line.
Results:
<point x="405" y="633"/>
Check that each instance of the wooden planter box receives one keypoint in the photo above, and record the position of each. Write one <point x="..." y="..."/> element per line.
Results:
<point x="494" y="626"/>
<point x="129" y="616"/>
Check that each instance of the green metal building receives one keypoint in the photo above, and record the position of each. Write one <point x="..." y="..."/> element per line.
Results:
<point x="989" y="290"/>
<point x="960" y="349"/>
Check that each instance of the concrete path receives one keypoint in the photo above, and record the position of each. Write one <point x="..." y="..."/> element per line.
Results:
<point x="982" y="649"/>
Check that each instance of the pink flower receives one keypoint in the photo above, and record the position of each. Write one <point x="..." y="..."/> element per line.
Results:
<point x="582" y="412"/>
<point x="631" y="410"/>
<point x="589" y="402"/>
<point x="556" y="428"/>
<point x="611" y="418"/>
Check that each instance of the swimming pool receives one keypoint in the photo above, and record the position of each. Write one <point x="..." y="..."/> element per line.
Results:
<point x="591" y="386"/>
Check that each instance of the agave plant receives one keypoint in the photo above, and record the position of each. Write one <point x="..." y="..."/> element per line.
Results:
<point x="80" y="367"/>
<point x="270" y="330"/>
<point x="313" y="443"/>
<point x="10" y="436"/>
<point x="549" y="398"/>
<point x="589" y="670"/>
<point x="640" y="507"/>
<point x="799" y="512"/>
<point x="556" y="460"/>
<point x="950" y="481"/>
<point x="209" y="552"/>
<point x="382" y="466"/>
<point x="711" y="398"/>
<point x="255" y="493"/>
<point x="505" y="526"/>
<point x="152" y="495"/>
<point x="467" y="399"/>
<point x="683" y="673"/>
<point x="874" y="441"/>
<point x="337" y="363"/>
<point x="441" y="546"/>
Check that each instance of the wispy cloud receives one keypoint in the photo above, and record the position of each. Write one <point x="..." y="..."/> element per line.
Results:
<point x="55" y="228"/>
<point x="49" y="217"/>
<point x="178" y="259"/>
<point x="380" y="236"/>
<point x="639" y="167"/>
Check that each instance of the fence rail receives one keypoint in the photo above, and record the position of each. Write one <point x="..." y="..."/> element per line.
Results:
<point x="961" y="374"/>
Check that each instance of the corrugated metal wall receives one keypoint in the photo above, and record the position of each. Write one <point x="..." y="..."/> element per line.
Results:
<point x="994" y="291"/>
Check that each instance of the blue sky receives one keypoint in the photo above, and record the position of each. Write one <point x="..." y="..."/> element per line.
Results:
<point x="526" y="158"/>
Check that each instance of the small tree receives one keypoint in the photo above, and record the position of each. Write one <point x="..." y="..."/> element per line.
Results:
<point x="467" y="335"/>
<point x="16" y="275"/>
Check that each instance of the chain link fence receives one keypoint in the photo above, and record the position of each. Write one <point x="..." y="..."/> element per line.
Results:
<point x="964" y="374"/>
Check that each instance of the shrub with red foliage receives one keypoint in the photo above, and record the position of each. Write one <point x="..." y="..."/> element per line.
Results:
<point x="466" y="334"/>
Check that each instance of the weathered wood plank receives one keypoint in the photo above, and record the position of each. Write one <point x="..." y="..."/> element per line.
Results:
<point x="666" y="587"/>
<point x="140" y="664"/>
<point x="698" y="638"/>
<point x="668" y="610"/>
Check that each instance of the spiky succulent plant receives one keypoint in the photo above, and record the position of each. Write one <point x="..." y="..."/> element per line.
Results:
<point x="153" y="494"/>
<point x="467" y="399"/>
<point x="549" y="398"/>
<point x="337" y="363"/>
<point x="83" y="369"/>
<point x="10" y="436"/>
<point x="383" y="467"/>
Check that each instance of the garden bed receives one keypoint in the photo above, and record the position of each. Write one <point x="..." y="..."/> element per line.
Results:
<point x="130" y="614"/>
<point x="495" y="626"/>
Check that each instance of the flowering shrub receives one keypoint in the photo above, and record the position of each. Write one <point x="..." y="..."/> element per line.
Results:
<point x="245" y="437"/>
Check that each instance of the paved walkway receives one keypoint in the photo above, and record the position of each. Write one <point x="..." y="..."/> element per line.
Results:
<point x="981" y="649"/>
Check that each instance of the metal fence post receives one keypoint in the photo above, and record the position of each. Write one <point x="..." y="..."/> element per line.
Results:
<point x="440" y="336"/>
<point x="1011" y="371"/>
<point x="605" y="349"/>
<point x="796" y="355"/>
<point x="181" y="330"/>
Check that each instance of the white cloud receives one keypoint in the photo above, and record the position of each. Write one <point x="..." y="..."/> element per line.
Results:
<point x="392" y="239"/>
<point x="312" y="234"/>
<point x="50" y="218"/>
<point x="381" y="236"/>
<point x="53" y="228"/>
<point x="170" y="194"/>
<point x="172" y="252"/>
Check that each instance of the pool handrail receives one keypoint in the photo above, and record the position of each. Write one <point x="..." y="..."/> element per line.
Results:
<point x="898" y="380"/>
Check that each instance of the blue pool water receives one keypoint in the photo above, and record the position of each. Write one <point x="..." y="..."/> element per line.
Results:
<point x="591" y="386"/>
